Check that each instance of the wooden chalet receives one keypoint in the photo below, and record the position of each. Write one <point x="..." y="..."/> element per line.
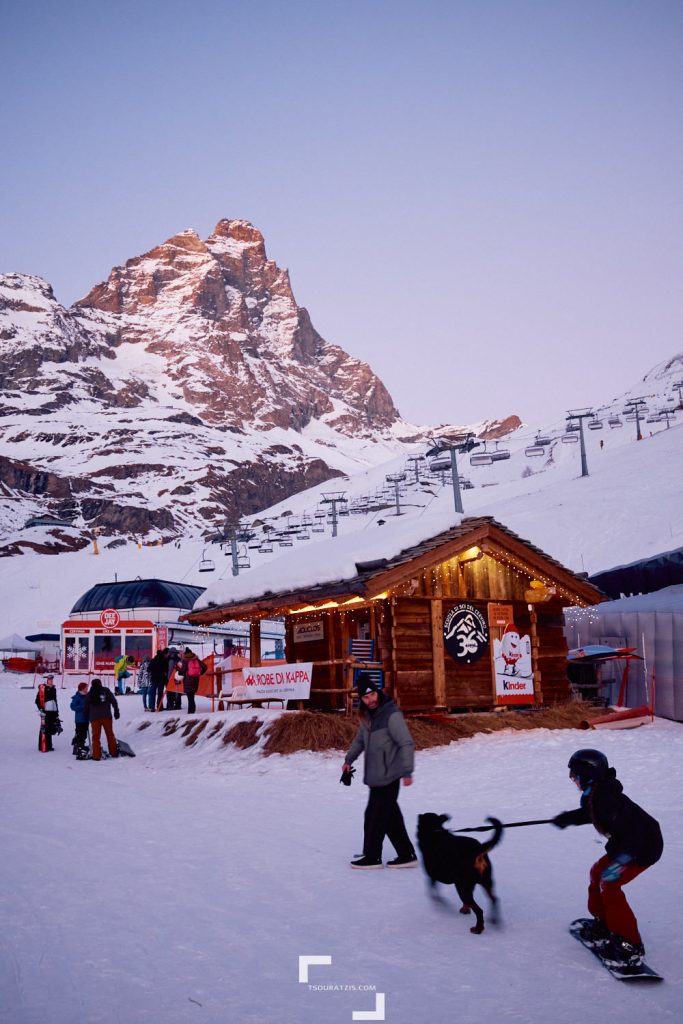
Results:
<point x="435" y="621"/>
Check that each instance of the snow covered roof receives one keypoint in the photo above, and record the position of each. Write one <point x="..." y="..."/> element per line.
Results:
<point x="643" y="576"/>
<point x="669" y="599"/>
<point x="14" y="642"/>
<point x="348" y="564"/>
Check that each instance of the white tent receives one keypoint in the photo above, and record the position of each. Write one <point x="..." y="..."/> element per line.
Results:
<point x="653" y="624"/>
<point x="15" y="644"/>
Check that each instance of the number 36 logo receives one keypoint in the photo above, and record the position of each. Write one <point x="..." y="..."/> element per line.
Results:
<point x="465" y="633"/>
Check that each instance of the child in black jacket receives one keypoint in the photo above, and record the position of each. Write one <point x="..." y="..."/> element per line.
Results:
<point x="634" y="843"/>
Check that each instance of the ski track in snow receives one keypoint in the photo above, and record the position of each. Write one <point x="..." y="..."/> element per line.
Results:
<point x="183" y="885"/>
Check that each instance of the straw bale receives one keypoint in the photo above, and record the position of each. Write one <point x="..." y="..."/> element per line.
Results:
<point x="308" y="730"/>
<point x="195" y="734"/>
<point x="319" y="730"/>
<point x="243" y="734"/>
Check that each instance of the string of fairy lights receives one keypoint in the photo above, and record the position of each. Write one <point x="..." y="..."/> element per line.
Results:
<point x="418" y="585"/>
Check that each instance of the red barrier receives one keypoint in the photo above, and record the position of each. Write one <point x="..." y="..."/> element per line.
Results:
<point x="628" y="719"/>
<point x="19" y="664"/>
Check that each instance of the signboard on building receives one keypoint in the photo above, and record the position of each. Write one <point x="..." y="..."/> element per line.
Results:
<point x="289" y="682"/>
<point x="304" y="632"/>
<point x="511" y="658"/>
<point x="465" y="633"/>
<point x="110" y="618"/>
<point x="95" y="644"/>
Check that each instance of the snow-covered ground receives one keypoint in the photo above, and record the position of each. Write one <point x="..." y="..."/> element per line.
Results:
<point x="182" y="886"/>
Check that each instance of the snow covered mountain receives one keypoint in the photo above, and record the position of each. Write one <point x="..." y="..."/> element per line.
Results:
<point x="628" y="508"/>
<point x="187" y="389"/>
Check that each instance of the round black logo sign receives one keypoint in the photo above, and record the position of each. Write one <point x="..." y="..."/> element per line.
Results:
<point x="465" y="634"/>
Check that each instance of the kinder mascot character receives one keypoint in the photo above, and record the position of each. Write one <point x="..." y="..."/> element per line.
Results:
<point x="510" y="649"/>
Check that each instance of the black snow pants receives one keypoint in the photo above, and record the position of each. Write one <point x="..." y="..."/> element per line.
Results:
<point x="383" y="818"/>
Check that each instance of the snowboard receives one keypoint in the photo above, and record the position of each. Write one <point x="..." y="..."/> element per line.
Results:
<point x="622" y="972"/>
<point x="43" y="734"/>
<point x="124" y="749"/>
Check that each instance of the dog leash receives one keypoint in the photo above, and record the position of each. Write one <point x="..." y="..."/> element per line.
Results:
<point x="510" y="824"/>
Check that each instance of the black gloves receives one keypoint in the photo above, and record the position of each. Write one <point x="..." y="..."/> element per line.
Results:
<point x="117" y="714"/>
<point x="564" y="819"/>
<point x="346" y="777"/>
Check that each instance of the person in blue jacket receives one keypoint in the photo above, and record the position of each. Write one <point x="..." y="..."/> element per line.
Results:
<point x="77" y="705"/>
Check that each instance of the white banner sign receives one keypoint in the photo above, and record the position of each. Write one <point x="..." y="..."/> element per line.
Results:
<point x="293" y="682"/>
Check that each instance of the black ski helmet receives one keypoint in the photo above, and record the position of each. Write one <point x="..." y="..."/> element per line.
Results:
<point x="587" y="765"/>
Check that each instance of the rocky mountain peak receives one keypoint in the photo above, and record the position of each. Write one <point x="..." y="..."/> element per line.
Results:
<point x="25" y="293"/>
<point x="180" y="388"/>
<point x="240" y="231"/>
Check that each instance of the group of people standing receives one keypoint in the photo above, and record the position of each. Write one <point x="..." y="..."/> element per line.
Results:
<point x="156" y="673"/>
<point x="92" y="706"/>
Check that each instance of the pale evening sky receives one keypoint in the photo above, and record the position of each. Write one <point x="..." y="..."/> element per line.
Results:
<point x="481" y="198"/>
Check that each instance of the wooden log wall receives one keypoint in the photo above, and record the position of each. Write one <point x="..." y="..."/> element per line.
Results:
<point x="482" y="579"/>
<point x="333" y="646"/>
<point x="469" y="686"/>
<point x="552" y="653"/>
<point x="411" y="638"/>
<point x="404" y="629"/>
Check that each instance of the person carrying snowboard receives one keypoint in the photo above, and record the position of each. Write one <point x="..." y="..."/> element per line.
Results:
<point x="634" y="843"/>
<point x="46" y="702"/>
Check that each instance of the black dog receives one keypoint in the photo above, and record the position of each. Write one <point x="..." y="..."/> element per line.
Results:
<point x="459" y="861"/>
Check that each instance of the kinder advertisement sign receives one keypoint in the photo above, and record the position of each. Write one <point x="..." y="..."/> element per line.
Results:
<point x="293" y="682"/>
<point x="512" y="665"/>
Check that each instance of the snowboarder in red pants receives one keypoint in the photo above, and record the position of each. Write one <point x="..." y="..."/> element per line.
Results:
<point x="634" y="843"/>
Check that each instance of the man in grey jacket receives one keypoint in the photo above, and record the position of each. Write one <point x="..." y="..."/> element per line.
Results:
<point x="389" y="750"/>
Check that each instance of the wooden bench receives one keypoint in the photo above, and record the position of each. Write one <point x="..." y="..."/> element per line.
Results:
<point x="238" y="697"/>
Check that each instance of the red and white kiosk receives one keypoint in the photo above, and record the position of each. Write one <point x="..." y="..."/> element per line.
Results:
<point x="92" y="646"/>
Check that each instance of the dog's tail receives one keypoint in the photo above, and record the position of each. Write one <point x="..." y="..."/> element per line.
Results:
<point x="496" y="837"/>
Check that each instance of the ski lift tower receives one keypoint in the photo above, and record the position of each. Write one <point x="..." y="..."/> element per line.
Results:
<point x="578" y="416"/>
<point x="635" y="408"/>
<point x="334" y="498"/>
<point x="460" y="445"/>
<point x="666" y="414"/>
<point x="233" y="535"/>
<point x="415" y="461"/>
<point x="396" y="479"/>
<point x="678" y="386"/>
